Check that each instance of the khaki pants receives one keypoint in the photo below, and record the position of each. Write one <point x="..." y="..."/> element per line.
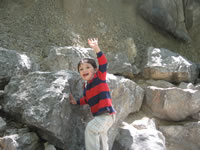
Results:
<point x="96" y="132"/>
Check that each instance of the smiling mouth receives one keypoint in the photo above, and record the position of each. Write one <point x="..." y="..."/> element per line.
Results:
<point x="84" y="75"/>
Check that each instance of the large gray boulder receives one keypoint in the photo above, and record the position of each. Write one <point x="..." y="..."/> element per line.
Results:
<point x="163" y="64"/>
<point x="172" y="103"/>
<point x="14" y="63"/>
<point x="140" y="135"/>
<point x="127" y="98"/>
<point x="182" y="137"/>
<point x="41" y="100"/>
<point x="60" y="58"/>
<point x="119" y="64"/>
<point x="20" y="139"/>
<point x="168" y="15"/>
<point x="192" y="13"/>
<point x="124" y="62"/>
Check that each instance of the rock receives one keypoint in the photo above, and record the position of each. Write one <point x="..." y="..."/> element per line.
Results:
<point x="184" y="85"/>
<point x="157" y="83"/>
<point x="41" y="100"/>
<point x="172" y="103"/>
<point x="127" y="98"/>
<point x="14" y="63"/>
<point x="140" y="135"/>
<point x="23" y="140"/>
<point x="3" y="81"/>
<point x="1" y="94"/>
<point x="182" y="137"/>
<point x="123" y="62"/>
<point x="119" y="64"/>
<point x="2" y="124"/>
<point x="49" y="147"/>
<point x="60" y="58"/>
<point x="166" y="15"/>
<point x="162" y="64"/>
<point x="192" y="13"/>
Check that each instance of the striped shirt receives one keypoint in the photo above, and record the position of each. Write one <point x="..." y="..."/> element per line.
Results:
<point x="97" y="93"/>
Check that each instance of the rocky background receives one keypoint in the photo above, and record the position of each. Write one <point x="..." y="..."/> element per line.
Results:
<point x="153" y="52"/>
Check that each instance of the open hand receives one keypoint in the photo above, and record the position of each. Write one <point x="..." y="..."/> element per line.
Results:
<point x="93" y="43"/>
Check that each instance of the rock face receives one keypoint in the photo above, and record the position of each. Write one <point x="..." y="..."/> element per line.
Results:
<point x="192" y="13"/>
<point x="40" y="99"/>
<point x="56" y="33"/>
<point x="169" y="15"/>
<point x="42" y="24"/>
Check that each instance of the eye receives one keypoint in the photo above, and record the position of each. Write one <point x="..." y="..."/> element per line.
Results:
<point x="81" y="69"/>
<point x="88" y="67"/>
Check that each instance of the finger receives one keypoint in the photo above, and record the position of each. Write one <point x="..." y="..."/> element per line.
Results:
<point x="89" y="41"/>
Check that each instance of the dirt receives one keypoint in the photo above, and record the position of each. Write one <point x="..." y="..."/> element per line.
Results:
<point x="34" y="26"/>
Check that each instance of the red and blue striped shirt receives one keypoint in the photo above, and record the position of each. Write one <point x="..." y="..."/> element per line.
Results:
<point x="97" y="93"/>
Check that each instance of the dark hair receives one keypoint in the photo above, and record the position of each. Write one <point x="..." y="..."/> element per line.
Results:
<point x="87" y="60"/>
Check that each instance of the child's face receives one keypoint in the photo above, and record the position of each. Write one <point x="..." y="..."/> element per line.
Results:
<point x="86" y="71"/>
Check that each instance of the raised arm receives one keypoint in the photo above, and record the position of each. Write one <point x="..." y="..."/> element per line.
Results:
<point x="102" y="61"/>
<point x="93" y="43"/>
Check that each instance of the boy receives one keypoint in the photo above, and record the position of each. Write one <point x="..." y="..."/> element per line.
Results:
<point x="97" y="95"/>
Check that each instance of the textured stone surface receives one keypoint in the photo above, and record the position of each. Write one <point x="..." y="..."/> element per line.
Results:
<point x="163" y="64"/>
<point x="40" y="99"/>
<point x="172" y="103"/>
<point x="141" y="134"/>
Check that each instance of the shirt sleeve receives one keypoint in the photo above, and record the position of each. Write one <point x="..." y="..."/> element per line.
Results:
<point x="82" y="101"/>
<point x="102" y="61"/>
